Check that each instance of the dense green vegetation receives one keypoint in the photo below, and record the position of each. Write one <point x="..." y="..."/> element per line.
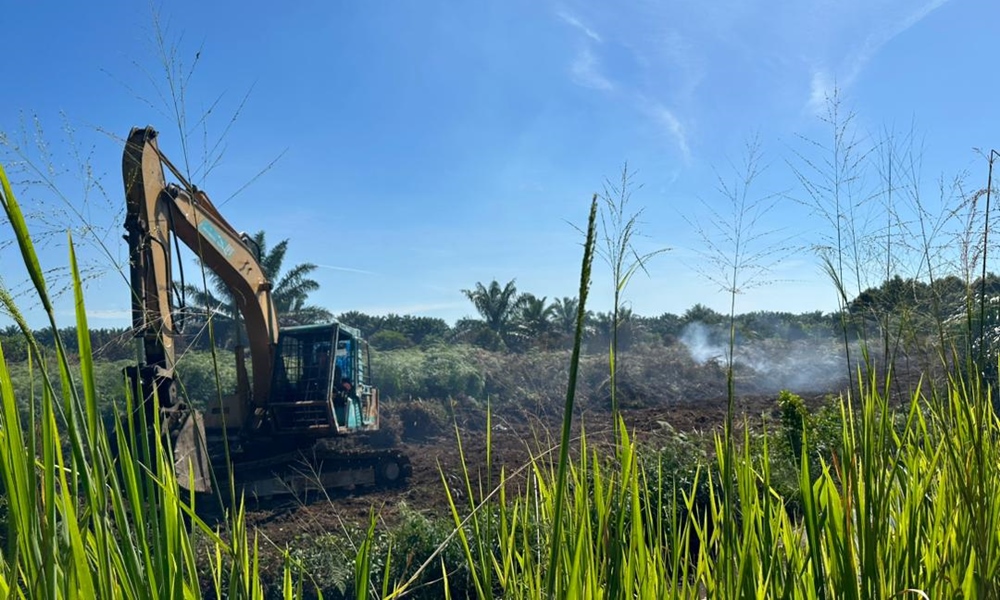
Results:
<point x="535" y="323"/>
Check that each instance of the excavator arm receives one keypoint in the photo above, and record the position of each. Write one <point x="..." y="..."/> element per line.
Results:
<point x="156" y="213"/>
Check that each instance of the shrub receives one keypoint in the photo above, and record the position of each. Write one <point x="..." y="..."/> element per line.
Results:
<point x="794" y="419"/>
<point x="823" y="428"/>
<point x="436" y="372"/>
<point x="421" y="419"/>
<point x="197" y="374"/>
<point x="389" y="340"/>
<point x="328" y="559"/>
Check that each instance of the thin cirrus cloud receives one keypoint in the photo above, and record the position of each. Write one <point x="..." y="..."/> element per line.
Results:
<point x="668" y="121"/>
<point x="587" y="71"/>
<point x="576" y="23"/>
<point x="586" y="67"/>
<point x="824" y="46"/>
<point x="824" y="80"/>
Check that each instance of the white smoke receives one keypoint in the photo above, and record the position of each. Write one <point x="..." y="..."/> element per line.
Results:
<point x="770" y="365"/>
<point x="696" y="337"/>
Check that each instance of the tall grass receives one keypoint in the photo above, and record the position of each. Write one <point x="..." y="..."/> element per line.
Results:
<point x="909" y="506"/>
<point x="88" y="520"/>
<point x="617" y="233"/>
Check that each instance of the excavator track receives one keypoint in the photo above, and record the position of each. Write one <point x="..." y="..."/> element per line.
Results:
<point x="316" y="469"/>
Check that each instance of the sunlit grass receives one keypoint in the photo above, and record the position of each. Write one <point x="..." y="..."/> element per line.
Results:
<point x="86" y="520"/>
<point x="908" y="506"/>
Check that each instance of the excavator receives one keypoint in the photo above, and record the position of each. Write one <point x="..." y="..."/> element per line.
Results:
<point x="284" y="429"/>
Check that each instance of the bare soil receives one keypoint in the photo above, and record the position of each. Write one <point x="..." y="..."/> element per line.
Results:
<point x="437" y="461"/>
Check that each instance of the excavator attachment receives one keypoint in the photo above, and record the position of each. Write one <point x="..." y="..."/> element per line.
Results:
<point x="191" y="458"/>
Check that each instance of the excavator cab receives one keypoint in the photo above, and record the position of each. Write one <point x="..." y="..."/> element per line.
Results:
<point x="321" y="382"/>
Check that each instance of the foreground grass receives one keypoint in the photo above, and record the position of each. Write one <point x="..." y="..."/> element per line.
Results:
<point x="85" y="520"/>
<point x="908" y="504"/>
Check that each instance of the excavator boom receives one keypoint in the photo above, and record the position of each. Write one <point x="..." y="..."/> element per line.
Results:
<point x="155" y="210"/>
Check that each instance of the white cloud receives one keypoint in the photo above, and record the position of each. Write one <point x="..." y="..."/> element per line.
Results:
<point x="576" y="23"/>
<point x="882" y="36"/>
<point x="822" y="83"/>
<point x="656" y="52"/>
<point x="821" y="88"/>
<point x="674" y="128"/>
<point x="586" y="68"/>
<point x="586" y="72"/>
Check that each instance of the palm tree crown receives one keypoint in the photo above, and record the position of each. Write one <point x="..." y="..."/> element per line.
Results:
<point x="534" y="315"/>
<point x="290" y="291"/>
<point x="564" y="315"/>
<point x="497" y="305"/>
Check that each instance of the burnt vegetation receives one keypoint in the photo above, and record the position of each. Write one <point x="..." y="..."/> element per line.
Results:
<point x="519" y="354"/>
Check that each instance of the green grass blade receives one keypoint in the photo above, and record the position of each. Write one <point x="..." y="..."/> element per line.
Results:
<point x="83" y="345"/>
<point x="588" y="260"/>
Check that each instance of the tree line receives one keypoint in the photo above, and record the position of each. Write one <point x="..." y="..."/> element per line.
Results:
<point x="511" y="320"/>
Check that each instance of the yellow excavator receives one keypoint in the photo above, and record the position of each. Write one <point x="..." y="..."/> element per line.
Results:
<point x="307" y="386"/>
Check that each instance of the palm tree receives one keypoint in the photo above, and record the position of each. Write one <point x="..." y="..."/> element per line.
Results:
<point x="289" y="293"/>
<point x="534" y="316"/>
<point x="564" y="315"/>
<point x="699" y="313"/>
<point x="604" y="327"/>
<point x="497" y="306"/>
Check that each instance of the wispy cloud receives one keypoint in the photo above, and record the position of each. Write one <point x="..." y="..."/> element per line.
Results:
<point x="668" y="121"/>
<point x="586" y="71"/>
<point x="656" y="75"/>
<point x="586" y="68"/>
<point x="821" y="88"/>
<point x="822" y="82"/>
<point x="575" y="22"/>
<point x="882" y="36"/>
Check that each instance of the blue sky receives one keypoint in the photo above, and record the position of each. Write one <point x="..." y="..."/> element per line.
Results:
<point x="421" y="147"/>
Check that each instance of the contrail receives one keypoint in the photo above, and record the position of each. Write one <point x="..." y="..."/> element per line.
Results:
<point x="348" y="269"/>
